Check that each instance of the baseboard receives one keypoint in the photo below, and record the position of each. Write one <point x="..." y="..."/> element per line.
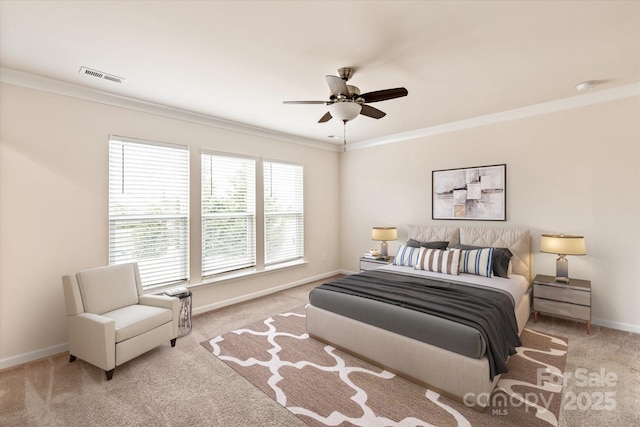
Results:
<point x="254" y="295"/>
<point x="616" y="325"/>
<point x="60" y="348"/>
<point x="34" y="355"/>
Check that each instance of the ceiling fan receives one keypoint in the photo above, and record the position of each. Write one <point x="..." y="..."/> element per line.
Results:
<point x="346" y="102"/>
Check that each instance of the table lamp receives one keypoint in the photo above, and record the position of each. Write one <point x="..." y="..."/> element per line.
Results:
<point x="384" y="234"/>
<point x="562" y="244"/>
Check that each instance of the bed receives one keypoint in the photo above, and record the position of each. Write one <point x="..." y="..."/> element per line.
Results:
<point x="448" y="355"/>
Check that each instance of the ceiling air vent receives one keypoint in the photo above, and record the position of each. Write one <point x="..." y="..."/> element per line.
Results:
<point x="99" y="74"/>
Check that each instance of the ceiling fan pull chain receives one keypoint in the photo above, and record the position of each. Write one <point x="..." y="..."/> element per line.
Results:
<point x="344" y="134"/>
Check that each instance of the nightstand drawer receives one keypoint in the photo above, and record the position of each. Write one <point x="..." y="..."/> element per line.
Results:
<point x="572" y="296"/>
<point x="370" y="265"/>
<point x="562" y="308"/>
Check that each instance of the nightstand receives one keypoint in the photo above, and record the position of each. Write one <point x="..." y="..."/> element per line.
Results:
<point x="370" y="263"/>
<point x="571" y="300"/>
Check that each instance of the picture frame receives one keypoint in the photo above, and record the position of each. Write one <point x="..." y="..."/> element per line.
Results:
<point x="476" y="193"/>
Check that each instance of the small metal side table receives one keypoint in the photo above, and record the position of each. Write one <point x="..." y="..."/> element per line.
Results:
<point x="184" y="318"/>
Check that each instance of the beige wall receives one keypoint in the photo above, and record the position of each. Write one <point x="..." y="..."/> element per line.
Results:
<point x="575" y="171"/>
<point x="53" y="207"/>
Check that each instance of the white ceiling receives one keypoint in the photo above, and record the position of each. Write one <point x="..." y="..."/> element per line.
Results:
<point x="238" y="60"/>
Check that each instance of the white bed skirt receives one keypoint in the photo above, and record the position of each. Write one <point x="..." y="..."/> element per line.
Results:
<point x="458" y="377"/>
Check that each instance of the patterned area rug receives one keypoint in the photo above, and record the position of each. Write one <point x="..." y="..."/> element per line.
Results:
<point x="325" y="386"/>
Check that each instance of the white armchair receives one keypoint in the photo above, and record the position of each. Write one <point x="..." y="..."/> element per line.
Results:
<point x="110" y="321"/>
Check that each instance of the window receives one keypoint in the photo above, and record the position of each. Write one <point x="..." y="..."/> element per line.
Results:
<point x="283" y="212"/>
<point x="228" y="213"/>
<point x="149" y="209"/>
<point x="149" y="196"/>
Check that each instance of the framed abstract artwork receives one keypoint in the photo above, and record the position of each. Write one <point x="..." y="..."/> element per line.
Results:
<point x="475" y="193"/>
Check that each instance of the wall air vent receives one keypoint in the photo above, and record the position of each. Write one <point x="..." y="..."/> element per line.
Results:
<point x="99" y="74"/>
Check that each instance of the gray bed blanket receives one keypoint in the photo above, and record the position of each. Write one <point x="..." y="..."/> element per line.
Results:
<point x="488" y="311"/>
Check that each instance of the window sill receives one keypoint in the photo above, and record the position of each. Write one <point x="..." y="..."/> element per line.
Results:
<point x="159" y="290"/>
<point x="226" y="277"/>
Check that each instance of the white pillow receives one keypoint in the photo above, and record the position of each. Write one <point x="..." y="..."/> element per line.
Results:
<point x="477" y="261"/>
<point x="406" y="256"/>
<point x="439" y="261"/>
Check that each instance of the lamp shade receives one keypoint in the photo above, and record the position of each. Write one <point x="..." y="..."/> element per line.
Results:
<point x="345" y="111"/>
<point x="562" y="244"/>
<point x="384" y="234"/>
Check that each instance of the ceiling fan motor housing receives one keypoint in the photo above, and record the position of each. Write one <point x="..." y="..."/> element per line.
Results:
<point x="353" y="90"/>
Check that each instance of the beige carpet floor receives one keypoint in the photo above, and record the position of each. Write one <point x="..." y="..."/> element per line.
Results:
<point x="186" y="386"/>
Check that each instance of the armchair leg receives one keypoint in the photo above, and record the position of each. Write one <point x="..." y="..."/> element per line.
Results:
<point x="72" y="358"/>
<point x="109" y="374"/>
<point x="173" y="342"/>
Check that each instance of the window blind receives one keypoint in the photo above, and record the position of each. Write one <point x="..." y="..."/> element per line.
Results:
<point x="149" y="209"/>
<point x="228" y="213"/>
<point x="283" y="211"/>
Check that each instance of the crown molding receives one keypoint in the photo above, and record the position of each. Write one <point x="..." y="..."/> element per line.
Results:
<point x="570" y="103"/>
<point x="32" y="81"/>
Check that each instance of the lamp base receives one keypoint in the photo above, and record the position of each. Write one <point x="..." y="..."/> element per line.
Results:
<point x="562" y="269"/>
<point x="384" y="250"/>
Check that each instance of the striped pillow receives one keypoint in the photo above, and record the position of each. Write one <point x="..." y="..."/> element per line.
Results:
<point x="439" y="260"/>
<point x="477" y="261"/>
<point x="406" y="256"/>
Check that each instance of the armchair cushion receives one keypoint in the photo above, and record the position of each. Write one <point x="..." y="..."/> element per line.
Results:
<point x="108" y="288"/>
<point x="136" y="319"/>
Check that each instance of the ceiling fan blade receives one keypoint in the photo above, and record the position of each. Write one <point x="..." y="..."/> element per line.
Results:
<point x="337" y="86"/>
<point x="383" y="95"/>
<point x="325" y="118"/>
<point x="304" y="102"/>
<point x="369" y="111"/>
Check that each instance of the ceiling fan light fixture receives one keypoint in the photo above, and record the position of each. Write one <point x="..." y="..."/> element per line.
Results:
<point x="345" y="111"/>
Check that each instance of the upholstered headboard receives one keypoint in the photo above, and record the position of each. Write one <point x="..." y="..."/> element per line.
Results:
<point x="427" y="233"/>
<point x="517" y="240"/>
